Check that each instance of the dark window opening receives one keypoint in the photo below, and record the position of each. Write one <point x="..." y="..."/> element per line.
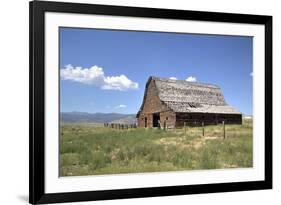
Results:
<point x="145" y="122"/>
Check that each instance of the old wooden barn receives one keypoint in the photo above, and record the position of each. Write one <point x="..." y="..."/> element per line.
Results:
<point x="175" y="102"/>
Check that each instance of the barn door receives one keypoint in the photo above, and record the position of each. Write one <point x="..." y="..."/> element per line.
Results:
<point x="156" y="118"/>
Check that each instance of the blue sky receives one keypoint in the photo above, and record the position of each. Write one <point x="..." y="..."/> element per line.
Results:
<point x="106" y="70"/>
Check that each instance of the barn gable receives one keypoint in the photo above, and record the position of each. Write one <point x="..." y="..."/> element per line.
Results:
<point x="152" y="104"/>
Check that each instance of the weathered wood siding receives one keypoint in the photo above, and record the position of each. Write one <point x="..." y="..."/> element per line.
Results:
<point x="152" y="104"/>
<point x="194" y="119"/>
<point x="169" y="117"/>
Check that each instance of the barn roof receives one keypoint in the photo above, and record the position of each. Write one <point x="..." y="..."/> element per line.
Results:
<point x="184" y="96"/>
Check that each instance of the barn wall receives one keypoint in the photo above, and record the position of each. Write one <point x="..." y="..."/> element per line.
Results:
<point x="169" y="118"/>
<point x="152" y="104"/>
<point x="141" y="120"/>
<point x="193" y="119"/>
<point x="231" y="118"/>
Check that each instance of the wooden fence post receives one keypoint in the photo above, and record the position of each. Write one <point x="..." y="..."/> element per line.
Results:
<point x="203" y="131"/>
<point x="184" y="128"/>
<point x="223" y="129"/>
<point x="164" y="125"/>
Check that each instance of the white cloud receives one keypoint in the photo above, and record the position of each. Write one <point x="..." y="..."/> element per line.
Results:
<point x="251" y="74"/>
<point x="119" y="83"/>
<point x="191" y="79"/>
<point x="95" y="76"/>
<point x="173" y="78"/>
<point x="120" y="106"/>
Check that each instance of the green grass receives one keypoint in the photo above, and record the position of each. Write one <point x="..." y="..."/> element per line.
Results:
<point x="88" y="149"/>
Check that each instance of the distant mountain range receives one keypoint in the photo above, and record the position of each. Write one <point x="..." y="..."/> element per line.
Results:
<point x="131" y="119"/>
<point x="75" y="117"/>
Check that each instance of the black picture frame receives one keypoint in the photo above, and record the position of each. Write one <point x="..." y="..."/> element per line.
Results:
<point x="37" y="193"/>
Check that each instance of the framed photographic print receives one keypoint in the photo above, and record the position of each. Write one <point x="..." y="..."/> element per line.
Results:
<point x="141" y="102"/>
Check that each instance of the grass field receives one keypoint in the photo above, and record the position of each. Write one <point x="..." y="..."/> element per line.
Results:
<point x="89" y="149"/>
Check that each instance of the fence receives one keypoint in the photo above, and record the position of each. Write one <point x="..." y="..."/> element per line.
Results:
<point x="190" y="123"/>
<point x="203" y="127"/>
<point x="164" y="126"/>
<point x="120" y="126"/>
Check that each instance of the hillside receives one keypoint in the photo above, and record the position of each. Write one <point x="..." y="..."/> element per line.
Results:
<point x="126" y="120"/>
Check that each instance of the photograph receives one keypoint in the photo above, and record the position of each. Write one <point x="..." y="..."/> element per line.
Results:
<point x="133" y="102"/>
<point x="147" y="101"/>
